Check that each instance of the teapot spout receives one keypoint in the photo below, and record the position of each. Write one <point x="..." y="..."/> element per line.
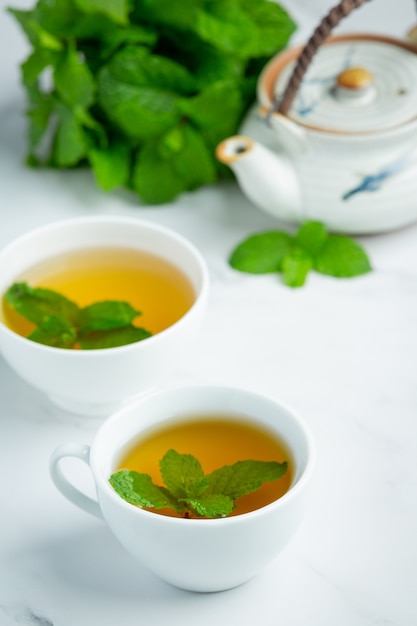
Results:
<point x="269" y="180"/>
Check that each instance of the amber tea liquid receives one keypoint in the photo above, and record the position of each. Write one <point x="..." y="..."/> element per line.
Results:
<point x="216" y="440"/>
<point x="149" y="283"/>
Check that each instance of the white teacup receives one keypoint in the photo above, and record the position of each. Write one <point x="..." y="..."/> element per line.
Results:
<point x="97" y="382"/>
<point x="194" y="554"/>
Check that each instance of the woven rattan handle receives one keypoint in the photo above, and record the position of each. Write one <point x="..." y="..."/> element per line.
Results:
<point x="321" y="33"/>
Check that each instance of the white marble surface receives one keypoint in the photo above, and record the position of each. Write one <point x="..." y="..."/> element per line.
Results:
<point x="342" y="353"/>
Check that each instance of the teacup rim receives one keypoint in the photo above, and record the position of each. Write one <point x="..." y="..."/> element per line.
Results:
<point x="303" y="480"/>
<point x="87" y="219"/>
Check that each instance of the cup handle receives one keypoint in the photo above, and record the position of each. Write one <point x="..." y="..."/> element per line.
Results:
<point x="82" y="452"/>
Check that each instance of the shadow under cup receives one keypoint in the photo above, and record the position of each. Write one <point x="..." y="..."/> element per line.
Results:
<point x="195" y="554"/>
<point x="97" y="382"/>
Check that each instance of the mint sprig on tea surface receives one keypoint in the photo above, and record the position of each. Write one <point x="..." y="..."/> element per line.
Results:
<point x="312" y="248"/>
<point x="189" y="491"/>
<point x="60" y="323"/>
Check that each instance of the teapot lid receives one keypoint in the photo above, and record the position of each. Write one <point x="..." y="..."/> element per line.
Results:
<point x="355" y="84"/>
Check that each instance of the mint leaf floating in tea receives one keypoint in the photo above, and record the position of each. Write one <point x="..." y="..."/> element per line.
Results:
<point x="112" y="337"/>
<point x="55" y="332"/>
<point x="62" y="324"/>
<point x="105" y="315"/>
<point x="311" y="248"/>
<point x="36" y="304"/>
<point x="189" y="491"/>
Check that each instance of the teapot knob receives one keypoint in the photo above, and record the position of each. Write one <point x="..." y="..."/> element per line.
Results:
<point x="355" y="86"/>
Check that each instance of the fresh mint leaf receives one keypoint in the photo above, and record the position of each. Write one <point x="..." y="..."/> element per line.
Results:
<point x="139" y="489"/>
<point x="39" y="305"/>
<point x="188" y="489"/>
<point x="140" y="112"/>
<point x="127" y="69"/>
<point x="295" y="267"/>
<point x="224" y="25"/>
<point x="112" y="338"/>
<point x="37" y="35"/>
<point x="34" y="65"/>
<point x="74" y="81"/>
<point x="211" y="505"/>
<point x="311" y="237"/>
<point x="70" y="143"/>
<point x="154" y="178"/>
<point x="111" y="165"/>
<point x="116" y="10"/>
<point x="132" y="34"/>
<point x="244" y="477"/>
<point x="262" y="253"/>
<point x="182" y="474"/>
<point x="56" y="332"/>
<point x="342" y="257"/>
<point x="178" y="15"/>
<point x="273" y="27"/>
<point x="137" y="65"/>
<point x="192" y="161"/>
<point x="106" y="315"/>
<point x="216" y="105"/>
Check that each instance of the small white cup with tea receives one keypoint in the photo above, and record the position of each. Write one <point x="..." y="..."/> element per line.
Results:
<point x="193" y="553"/>
<point x="98" y="381"/>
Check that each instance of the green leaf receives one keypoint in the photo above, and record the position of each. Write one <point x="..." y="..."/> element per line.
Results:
<point x="39" y="305"/>
<point x="106" y="315"/>
<point x="139" y="489"/>
<point x="70" y="144"/>
<point x="226" y="26"/>
<point x="193" y="161"/>
<point x="261" y="253"/>
<point x="211" y="505"/>
<point x="295" y="267"/>
<point x="37" y="35"/>
<point x="116" y="10"/>
<point x="140" y="112"/>
<point x="39" y="114"/>
<point x="218" y="105"/>
<point x="181" y="15"/>
<point x="312" y="237"/>
<point x="74" y="81"/>
<point x="34" y="65"/>
<point x="115" y="38"/>
<point x="137" y="65"/>
<point x="182" y="474"/>
<point x="112" y="338"/>
<point x="64" y="20"/>
<point x="342" y="257"/>
<point x="273" y="27"/>
<point x="56" y="332"/>
<point x="155" y="179"/>
<point x="111" y="165"/>
<point x="244" y="477"/>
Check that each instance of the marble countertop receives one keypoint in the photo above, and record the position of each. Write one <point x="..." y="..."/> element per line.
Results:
<point x="341" y="353"/>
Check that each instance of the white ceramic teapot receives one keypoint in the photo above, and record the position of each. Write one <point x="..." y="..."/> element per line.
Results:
<point x="339" y="141"/>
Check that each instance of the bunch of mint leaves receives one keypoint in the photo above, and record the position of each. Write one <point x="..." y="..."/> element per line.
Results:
<point x="60" y="323"/>
<point x="189" y="491"/>
<point x="311" y="248"/>
<point x="143" y="90"/>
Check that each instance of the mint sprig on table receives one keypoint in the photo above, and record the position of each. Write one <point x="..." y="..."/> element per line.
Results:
<point x="312" y="248"/>
<point x="189" y="491"/>
<point x="142" y="91"/>
<point x="60" y="323"/>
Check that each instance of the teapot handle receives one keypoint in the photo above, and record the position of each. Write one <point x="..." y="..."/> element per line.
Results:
<point x="321" y="33"/>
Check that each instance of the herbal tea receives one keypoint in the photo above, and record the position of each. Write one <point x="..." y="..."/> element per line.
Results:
<point x="151" y="285"/>
<point x="190" y="456"/>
